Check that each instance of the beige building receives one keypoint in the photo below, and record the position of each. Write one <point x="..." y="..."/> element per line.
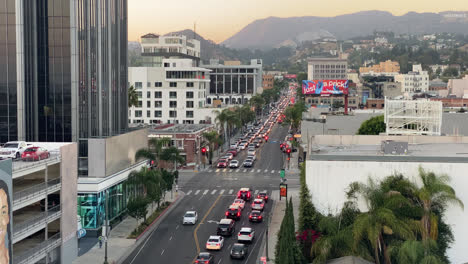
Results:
<point x="458" y="87"/>
<point x="268" y="81"/>
<point x="383" y="68"/>
<point x="327" y="69"/>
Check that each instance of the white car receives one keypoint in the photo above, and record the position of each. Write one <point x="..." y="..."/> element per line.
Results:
<point x="234" y="164"/>
<point x="243" y="144"/>
<point x="258" y="204"/>
<point x="215" y="243"/>
<point x="246" y="234"/>
<point x="229" y="156"/>
<point x="233" y="146"/>
<point x="190" y="217"/>
<point x="251" y="151"/>
<point x="13" y="150"/>
<point x="239" y="202"/>
<point x="252" y="157"/>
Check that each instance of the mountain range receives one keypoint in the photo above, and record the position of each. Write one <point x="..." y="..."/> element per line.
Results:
<point x="274" y="32"/>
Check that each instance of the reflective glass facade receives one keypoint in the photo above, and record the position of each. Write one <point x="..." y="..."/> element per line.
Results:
<point x="8" y="86"/>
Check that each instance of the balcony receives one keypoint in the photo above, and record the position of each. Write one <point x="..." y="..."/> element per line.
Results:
<point x="39" y="251"/>
<point x="35" y="193"/>
<point x="23" y="229"/>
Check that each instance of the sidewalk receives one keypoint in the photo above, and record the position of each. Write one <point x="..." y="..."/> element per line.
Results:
<point x="117" y="245"/>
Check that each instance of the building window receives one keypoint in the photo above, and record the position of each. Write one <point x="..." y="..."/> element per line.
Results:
<point x="138" y="113"/>
<point x="157" y="113"/>
<point x="189" y="104"/>
<point x="172" y="113"/>
<point x="189" y="94"/>
<point x="140" y="104"/>
<point x="157" y="94"/>
<point x="172" y="84"/>
<point x="190" y="84"/>
<point x="148" y="84"/>
<point x="172" y="104"/>
<point x="166" y="65"/>
<point x="148" y="104"/>
<point x="189" y="114"/>
<point x="138" y="85"/>
<point x="148" y="95"/>
<point x="158" y="84"/>
<point x="158" y="104"/>
<point x="172" y="95"/>
<point x="148" y="113"/>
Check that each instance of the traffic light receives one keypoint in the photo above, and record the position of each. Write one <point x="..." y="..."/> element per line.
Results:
<point x="288" y="151"/>
<point x="266" y="138"/>
<point x="203" y="150"/>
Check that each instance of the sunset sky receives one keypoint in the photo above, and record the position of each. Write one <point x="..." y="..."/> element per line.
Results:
<point x="219" y="19"/>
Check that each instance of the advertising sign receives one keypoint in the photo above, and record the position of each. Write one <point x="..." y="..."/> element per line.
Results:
<point x="290" y="76"/>
<point x="325" y="87"/>
<point x="6" y="212"/>
<point x="283" y="190"/>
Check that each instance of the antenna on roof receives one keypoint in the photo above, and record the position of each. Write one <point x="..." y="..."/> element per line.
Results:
<point x="194" y="30"/>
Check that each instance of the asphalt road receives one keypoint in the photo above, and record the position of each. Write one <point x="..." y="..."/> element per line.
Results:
<point x="210" y="193"/>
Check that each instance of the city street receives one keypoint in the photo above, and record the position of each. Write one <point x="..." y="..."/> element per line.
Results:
<point x="210" y="193"/>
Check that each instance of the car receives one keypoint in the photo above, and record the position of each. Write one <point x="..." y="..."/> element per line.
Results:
<point x="257" y="143"/>
<point x="246" y="234"/>
<point x="229" y="156"/>
<point x="233" y="212"/>
<point x="234" y="164"/>
<point x="244" y="194"/>
<point x="226" y="227"/>
<point x="255" y="216"/>
<point x="239" y="251"/>
<point x="205" y="258"/>
<point x="258" y="204"/>
<point x="251" y="145"/>
<point x="190" y="217"/>
<point x="233" y="152"/>
<point x="263" y="195"/>
<point x="239" y="202"/>
<point x="222" y="163"/>
<point x="215" y="243"/>
<point x="252" y="157"/>
<point x="35" y="153"/>
<point x="243" y="144"/>
<point x="13" y="150"/>
<point x="233" y="146"/>
<point x="251" y="151"/>
<point x="248" y="163"/>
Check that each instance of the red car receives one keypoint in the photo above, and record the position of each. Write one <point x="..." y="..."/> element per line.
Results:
<point x="222" y="163"/>
<point x="233" y="151"/>
<point x="35" y="153"/>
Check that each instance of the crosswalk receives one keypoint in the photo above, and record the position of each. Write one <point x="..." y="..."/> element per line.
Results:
<point x="215" y="192"/>
<point x="240" y="170"/>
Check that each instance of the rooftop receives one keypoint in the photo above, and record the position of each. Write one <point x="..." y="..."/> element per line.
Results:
<point x="178" y="128"/>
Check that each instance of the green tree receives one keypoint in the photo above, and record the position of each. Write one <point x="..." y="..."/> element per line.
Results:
<point x="450" y="72"/>
<point x="227" y="120"/>
<point x="413" y="251"/>
<point x="287" y="249"/>
<point x="293" y="115"/>
<point x="172" y="154"/>
<point x="372" y="126"/>
<point x="154" y="150"/>
<point x="132" y="97"/>
<point x="138" y="207"/>
<point x="257" y="102"/>
<point x="213" y="140"/>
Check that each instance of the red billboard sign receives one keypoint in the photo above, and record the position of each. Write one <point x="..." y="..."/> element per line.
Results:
<point x="290" y="76"/>
<point x="325" y="87"/>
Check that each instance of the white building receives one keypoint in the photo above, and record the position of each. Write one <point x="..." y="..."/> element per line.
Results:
<point x="175" y="93"/>
<point x="416" y="81"/>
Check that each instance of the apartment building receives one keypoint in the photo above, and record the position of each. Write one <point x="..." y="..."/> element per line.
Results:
<point x="175" y="93"/>
<point x="41" y="197"/>
<point x="458" y="87"/>
<point x="415" y="81"/>
<point x="268" y="81"/>
<point x="327" y="69"/>
<point x="232" y="82"/>
<point x="385" y="68"/>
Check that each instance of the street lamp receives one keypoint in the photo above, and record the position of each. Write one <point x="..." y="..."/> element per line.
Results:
<point x="107" y="221"/>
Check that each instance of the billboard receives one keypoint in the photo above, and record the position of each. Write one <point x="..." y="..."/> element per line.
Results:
<point x="290" y="76"/>
<point x="325" y="87"/>
<point x="6" y="212"/>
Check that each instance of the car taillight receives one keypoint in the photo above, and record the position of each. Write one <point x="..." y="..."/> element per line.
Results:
<point x="248" y="194"/>
<point x="196" y="261"/>
<point x="250" y="235"/>
<point x="260" y="217"/>
<point x="207" y="261"/>
<point x="239" y="234"/>
<point x="227" y="213"/>
<point x="217" y="244"/>
<point x="238" y="213"/>
<point x="250" y="216"/>
<point x="266" y="197"/>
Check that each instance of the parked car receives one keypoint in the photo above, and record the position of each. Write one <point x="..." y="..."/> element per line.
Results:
<point x="239" y="251"/>
<point x="34" y="154"/>
<point x="215" y="243"/>
<point x="226" y="227"/>
<point x="205" y="258"/>
<point x="256" y="216"/>
<point x="190" y="217"/>
<point x="13" y="150"/>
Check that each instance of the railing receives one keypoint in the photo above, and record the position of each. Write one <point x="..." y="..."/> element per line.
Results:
<point x="40" y="219"/>
<point x="20" y="165"/>
<point x="39" y="250"/>
<point x="35" y="190"/>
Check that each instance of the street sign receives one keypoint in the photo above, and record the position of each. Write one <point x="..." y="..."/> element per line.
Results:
<point x="282" y="173"/>
<point x="297" y="135"/>
<point x="283" y="190"/>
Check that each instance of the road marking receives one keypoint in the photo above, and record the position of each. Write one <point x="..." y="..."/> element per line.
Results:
<point x="231" y="191"/>
<point x="210" y="171"/>
<point x="170" y="238"/>
<point x="272" y="171"/>
<point x="162" y="252"/>
<point x="253" y="171"/>
<point x="195" y="237"/>
<point x="258" y="170"/>
<point x="189" y="192"/>
<point x="213" y="192"/>
<point x="224" y="170"/>
<point x="253" y="248"/>
<point x="244" y="170"/>
<point x="256" y="191"/>
<point x="221" y="192"/>
<point x="266" y="171"/>
<point x="177" y="227"/>
<point x="219" y="261"/>
<point x="197" y="192"/>
<point x="217" y="170"/>
<point x="205" y="192"/>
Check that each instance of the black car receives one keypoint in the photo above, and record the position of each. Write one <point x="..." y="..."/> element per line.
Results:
<point x="263" y="195"/>
<point x="234" y="212"/>
<point x="257" y="143"/>
<point x="256" y="216"/>
<point x="239" y="251"/>
<point x="225" y="227"/>
<point x="205" y="258"/>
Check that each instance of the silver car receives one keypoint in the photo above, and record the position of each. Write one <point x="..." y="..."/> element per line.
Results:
<point x="190" y="217"/>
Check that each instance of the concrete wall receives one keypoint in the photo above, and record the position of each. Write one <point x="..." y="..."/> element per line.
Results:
<point x="68" y="196"/>
<point x="328" y="181"/>
<point x="336" y="140"/>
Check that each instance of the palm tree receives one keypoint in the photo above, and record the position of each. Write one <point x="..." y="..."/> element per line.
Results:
<point x="154" y="150"/>
<point x="221" y="119"/>
<point x="132" y="97"/>
<point x="380" y="220"/>
<point x="433" y="196"/>
<point x="227" y="120"/>
<point x="412" y="251"/>
<point x="293" y="115"/>
<point x="213" y="139"/>
<point x="172" y="154"/>
<point x="257" y="102"/>
<point x="245" y="115"/>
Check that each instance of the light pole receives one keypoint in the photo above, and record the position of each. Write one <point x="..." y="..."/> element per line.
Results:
<point x="107" y="221"/>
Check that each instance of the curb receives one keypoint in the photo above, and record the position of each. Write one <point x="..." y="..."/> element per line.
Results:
<point x="150" y="229"/>
<point x="262" y="251"/>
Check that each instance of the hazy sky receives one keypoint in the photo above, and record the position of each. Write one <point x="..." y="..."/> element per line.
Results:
<point x="219" y="19"/>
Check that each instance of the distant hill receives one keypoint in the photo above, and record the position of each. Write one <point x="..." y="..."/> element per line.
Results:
<point x="274" y="31"/>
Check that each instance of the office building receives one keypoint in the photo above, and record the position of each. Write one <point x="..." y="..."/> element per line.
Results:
<point x="42" y="206"/>
<point x="415" y="81"/>
<point x="327" y="69"/>
<point x="232" y="82"/>
<point x="268" y="81"/>
<point x="385" y="68"/>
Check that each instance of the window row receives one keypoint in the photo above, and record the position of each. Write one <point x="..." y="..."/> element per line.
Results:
<point x="185" y="75"/>
<point x="139" y="85"/>
<point x="172" y="95"/>
<point x="172" y="104"/>
<point x="172" y="113"/>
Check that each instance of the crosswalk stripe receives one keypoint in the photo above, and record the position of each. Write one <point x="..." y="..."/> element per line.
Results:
<point x="237" y="170"/>
<point x="189" y="192"/>
<point x="230" y="191"/>
<point x="205" y="192"/>
<point x="210" y="171"/>
<point x="224" y="170"/>
<point x="221" y="192"/>
<point x="253" y="171"/>
<point x="213" y="192"/>
<point x="258" y="170"/>
<point x="266" y="171"/>
<point x="217" y="170"/>
<point x="244" y="170"/>
<point x="272" y="171"/>
<point x="197" y="192"/>
<point x="256" y="191"/>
